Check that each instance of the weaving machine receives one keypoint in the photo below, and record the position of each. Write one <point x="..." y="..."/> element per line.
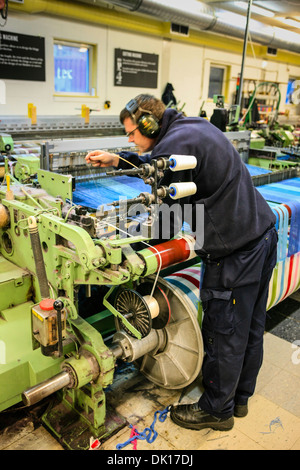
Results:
<point x="52" y="247"/>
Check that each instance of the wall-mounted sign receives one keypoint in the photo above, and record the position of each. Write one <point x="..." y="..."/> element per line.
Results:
<point x="22" y="57"/>
<point x="135" y="69"/>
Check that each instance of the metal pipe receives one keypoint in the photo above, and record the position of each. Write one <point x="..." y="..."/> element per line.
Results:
<point x="44" y="389"/>
<point x="200" y="16"/>
<point x="239" y="100"/>
<point x="117" y="350"/>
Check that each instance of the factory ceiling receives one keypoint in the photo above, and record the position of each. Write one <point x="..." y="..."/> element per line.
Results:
<point x="280" y="11"/>
<point x="275" y="25"/>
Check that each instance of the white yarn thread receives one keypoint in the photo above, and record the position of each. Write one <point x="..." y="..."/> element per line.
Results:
<point x="182" y="162"/>
<point x="153" y="305"/>
<point x="182" y="190"/>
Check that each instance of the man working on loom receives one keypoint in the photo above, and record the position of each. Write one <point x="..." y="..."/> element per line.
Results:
<point x="239" y="252"/>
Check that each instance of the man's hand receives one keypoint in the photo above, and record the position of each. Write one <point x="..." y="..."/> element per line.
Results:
<point x="100" y="158"/>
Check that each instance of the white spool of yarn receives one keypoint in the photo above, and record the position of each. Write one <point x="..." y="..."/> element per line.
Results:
<point x="182" y="162"/>
<point x="179" y="190"/>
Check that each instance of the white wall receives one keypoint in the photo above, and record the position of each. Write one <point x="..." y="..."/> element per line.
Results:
<point x="184" y="65"/>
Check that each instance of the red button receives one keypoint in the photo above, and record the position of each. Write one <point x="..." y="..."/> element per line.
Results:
<point x="47" y="304"/>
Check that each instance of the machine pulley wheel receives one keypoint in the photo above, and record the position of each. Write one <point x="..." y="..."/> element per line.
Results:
<point x="179" y="362"/>
<point x="176" y="361"/>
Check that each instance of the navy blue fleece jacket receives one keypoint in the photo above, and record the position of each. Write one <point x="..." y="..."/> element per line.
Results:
<point x="235" y="213"/>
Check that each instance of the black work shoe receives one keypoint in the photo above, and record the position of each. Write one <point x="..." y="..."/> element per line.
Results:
<point x="240" y="411"/>
<point x="192" y="417"/>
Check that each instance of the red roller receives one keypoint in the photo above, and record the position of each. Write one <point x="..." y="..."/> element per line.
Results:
<point x="173" y="251"/>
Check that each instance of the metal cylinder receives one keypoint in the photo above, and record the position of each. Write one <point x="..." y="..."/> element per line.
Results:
<point x="44" y="389"/>
<point x="116" y="350"/>
<point x="130" y="349"/>
<point x="82" y="369"/>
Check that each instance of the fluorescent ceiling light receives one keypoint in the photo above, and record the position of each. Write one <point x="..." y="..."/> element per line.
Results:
<point x="290" y="22"/>
<point x="255" y="9"/>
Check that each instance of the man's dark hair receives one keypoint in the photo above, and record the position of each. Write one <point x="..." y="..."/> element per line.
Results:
<point x="146" y="103"/>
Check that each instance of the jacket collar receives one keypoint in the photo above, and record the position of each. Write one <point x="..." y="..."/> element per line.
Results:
<point x="170" y="115"/>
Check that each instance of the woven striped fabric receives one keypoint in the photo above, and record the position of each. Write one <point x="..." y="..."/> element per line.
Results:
<point x="188" y="282"/>
<point x="284" y="199"/>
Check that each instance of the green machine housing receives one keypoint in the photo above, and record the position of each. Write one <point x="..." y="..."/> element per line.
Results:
<point x="49" y="249"/>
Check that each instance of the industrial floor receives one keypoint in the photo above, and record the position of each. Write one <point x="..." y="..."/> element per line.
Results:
<point x="273" y="422"/>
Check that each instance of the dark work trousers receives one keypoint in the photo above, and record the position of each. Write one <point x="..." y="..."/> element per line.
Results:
<point x="234" y="296"/>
